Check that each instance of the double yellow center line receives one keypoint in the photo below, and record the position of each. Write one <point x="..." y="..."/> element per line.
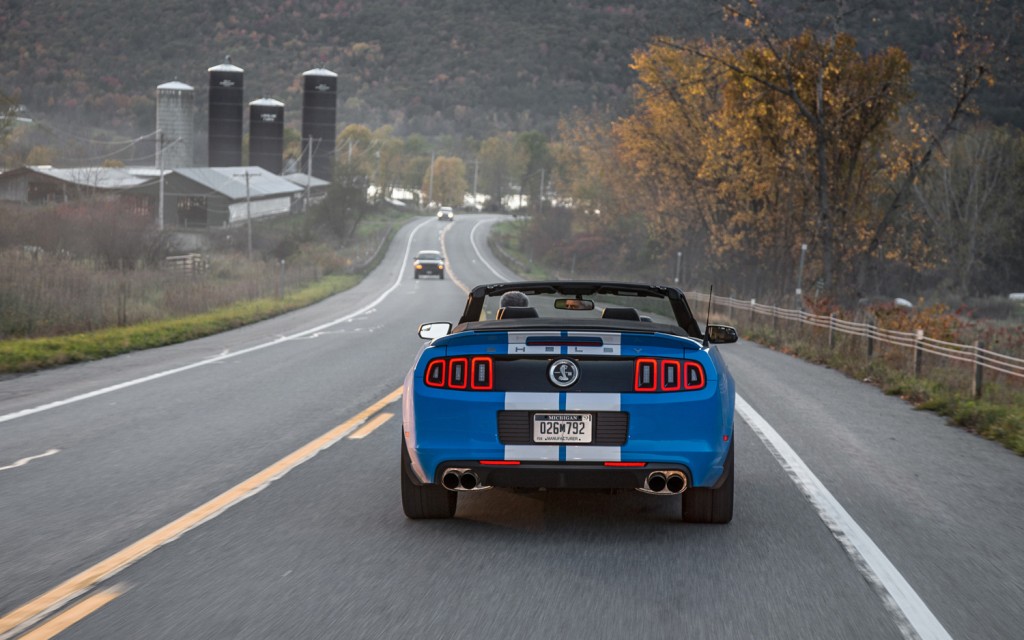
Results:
<point x="34" y="610"/>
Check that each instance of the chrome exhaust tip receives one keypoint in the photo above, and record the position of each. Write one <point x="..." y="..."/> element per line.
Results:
<point x="461" y="479"/>
<point x="676" y="482"/>
<point x="469" y="481"/>
<point x="452" y="479"/>
<point x="656" y="482"/>
<point x="665" y="483"/>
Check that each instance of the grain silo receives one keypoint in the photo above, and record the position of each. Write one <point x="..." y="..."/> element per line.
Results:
<point x="175" y="103"/>
<point x="319" y="115"/>
<point x="226" y="112"/>
<point x="266" y="134"/>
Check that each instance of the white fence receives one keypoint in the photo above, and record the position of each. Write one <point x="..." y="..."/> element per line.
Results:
<point x="973" y="354"/>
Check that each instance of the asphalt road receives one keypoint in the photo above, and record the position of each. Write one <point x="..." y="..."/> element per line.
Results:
<point x="125" y="510"/>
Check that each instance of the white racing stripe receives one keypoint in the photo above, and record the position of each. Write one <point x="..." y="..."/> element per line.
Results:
<point x="911" y="613"/>
<point x="591" y="453"/>
<point x="532" y="452"/>
<point x="225" y="355"/>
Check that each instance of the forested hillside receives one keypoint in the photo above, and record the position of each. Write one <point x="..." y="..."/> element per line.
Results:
<point x="469" y="67"/>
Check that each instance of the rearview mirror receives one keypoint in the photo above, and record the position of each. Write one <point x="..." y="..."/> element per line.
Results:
<point x="433" y="330"/>
<point x="721" y="334"/>
<point x="574" y="304"/>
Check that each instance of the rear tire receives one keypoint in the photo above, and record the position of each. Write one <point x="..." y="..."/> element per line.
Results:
<point x="427" y="501"/>
<point x="711" y="506"/>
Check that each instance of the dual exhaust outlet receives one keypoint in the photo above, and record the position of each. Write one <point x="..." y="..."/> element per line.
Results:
<point x="461" y="480"/>
<point x="665" y="483"/>
<point x="657" y="482"/>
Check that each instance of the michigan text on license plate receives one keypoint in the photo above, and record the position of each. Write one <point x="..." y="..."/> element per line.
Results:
<point x="563" y="427"/>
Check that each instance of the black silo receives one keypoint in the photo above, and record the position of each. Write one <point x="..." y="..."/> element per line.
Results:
<point x="319" y="116"/>
<point x="226" y="112"/>
<point x="266" y="135"/>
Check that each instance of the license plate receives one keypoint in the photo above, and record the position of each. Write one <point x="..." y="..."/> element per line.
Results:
<point x="569" y="428"/>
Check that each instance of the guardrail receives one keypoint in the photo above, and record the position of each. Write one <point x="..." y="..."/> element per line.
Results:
<point x="919" y="344"/>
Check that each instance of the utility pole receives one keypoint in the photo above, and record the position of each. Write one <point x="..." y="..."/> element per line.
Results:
<point x="540" y="203"/>
<point x="160" y="171"/>
<point x="476" y="173"/>
<point x="800" y="276"/>
<point x="248" y="206"/>
<point x="430" y="193"/>
<point x="679" y="260"/>
<point x="309" y="172"/>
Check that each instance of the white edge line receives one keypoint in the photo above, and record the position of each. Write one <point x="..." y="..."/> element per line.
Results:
<point x="912" y="615"/>
<point x="223" y="356"/>
<point x="24" y="461"/>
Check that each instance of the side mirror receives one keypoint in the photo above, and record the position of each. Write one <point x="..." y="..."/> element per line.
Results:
<point x="433" y="330"/>
<point x="721" y="334"/>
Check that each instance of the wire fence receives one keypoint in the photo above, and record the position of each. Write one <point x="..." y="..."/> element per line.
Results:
<point x="974" y="357"/>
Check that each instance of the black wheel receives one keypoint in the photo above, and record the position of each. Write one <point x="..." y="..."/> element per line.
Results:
<point x="416" y="276"/>
<point x="711" y="505"/>
<point x="427" y="501"/>
<point x="440" y="275"/>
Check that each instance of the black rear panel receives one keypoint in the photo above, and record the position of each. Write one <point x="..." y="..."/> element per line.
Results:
<point x="611" y="428"/>
<point x="596" y="376"/>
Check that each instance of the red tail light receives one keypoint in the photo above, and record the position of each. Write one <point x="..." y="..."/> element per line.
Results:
<point x="693" y="376"/>
<point x="646" y="377"/>
<point x="461" y="373"/>
<point x="653" y="374"/>
<point x="625" y="464"/>
<point x="435" y="373"/>
<point x="670" y="380"/>
<point x="482" y="379"/>
<point x="457" y="378"/>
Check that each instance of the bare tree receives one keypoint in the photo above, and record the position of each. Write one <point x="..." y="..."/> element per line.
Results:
<point x="970" y="196"/>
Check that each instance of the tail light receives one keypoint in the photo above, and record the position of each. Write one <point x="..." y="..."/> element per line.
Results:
<point x="482" y="377"/>
<point x="646" y="378"/>
<point x="652" y="374"/>
<point x="435" y="373"/>
<point x="457" y="373"/>
<point x="460" y="373"/>
<point x="693" y="376"/>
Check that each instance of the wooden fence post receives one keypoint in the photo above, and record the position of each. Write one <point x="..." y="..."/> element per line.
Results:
<point x="976" y="387"/>
<point x="752" y="303"/>
<point x="918" y="353"/>
<point x="831" y="331"/>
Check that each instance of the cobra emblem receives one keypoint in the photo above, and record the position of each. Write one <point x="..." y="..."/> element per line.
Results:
<point x="563" y="373"/>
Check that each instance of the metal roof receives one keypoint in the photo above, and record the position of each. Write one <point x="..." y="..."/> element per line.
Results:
<point x="174" y="86"/>
<point x="303" y="179"/>
<point x="95" y="177"/>
<point x="230" y="181"/>
<point x="320" y="72"/>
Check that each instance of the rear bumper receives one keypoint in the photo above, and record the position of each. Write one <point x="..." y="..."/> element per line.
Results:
<point x="559" y="475"/>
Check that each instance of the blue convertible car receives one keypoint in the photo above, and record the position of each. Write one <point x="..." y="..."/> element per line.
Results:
<point x="593" y="385"/>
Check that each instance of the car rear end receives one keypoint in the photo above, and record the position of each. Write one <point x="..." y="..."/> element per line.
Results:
<point x="568" y="409"/>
